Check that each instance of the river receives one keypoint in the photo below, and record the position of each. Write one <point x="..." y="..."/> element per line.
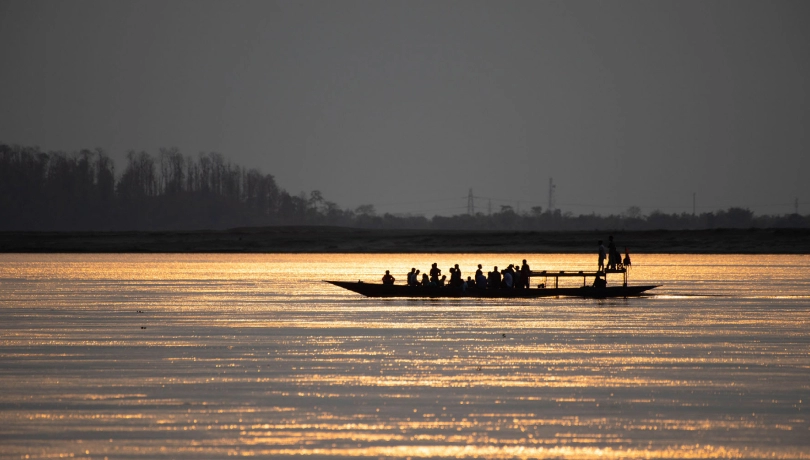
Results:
<point x="207" y="356"/>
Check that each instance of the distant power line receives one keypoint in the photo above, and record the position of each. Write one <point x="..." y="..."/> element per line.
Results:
<point x="683" y="206"/>
<point x="464" y="203"/>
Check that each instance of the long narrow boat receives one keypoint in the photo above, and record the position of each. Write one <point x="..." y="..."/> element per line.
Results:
<point x="392" y="290"/>
<point x="388" y="290"/>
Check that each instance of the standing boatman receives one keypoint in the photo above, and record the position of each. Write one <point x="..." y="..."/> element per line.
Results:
<point x="613" y="254"/>
<point x="525" y="274"/>
<point x="602" y="256"/>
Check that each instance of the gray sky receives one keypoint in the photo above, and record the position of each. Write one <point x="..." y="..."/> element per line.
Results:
<point x="622" y="103"/>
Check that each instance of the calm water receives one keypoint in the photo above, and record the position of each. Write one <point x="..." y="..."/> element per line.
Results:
<point x="206" y="356"/>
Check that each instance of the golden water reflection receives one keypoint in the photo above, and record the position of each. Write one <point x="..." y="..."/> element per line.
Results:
<point x="189" y="356"/>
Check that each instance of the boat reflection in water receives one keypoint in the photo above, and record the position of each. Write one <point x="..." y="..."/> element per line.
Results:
<point x="205" y="356"/>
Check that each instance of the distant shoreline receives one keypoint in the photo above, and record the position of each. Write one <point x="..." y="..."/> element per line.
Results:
<point x="305" y="239"/>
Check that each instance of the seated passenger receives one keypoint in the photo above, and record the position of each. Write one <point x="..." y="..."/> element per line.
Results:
<point x="480" y="280"/>
<point x="469" y="284"/>
<point x="599" y="282"/>
<point x="411" y="279"/>
<point x="494" y="281"/>
<point x="507" y="279"/>
<point x="456" y="280"/>
<point x="387" y="278"/>
<point x="425" y="280"/>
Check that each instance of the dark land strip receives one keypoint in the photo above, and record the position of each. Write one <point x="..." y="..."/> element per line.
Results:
<point x="305" y="239"/>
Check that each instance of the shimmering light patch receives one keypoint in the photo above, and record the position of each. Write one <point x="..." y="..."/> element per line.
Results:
<point x="190" y="356"/>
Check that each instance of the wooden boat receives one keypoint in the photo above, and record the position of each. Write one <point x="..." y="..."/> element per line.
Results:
<point x="393" y="290"/>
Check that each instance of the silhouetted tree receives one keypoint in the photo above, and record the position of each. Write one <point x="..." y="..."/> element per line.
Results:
<point x="79" y="191"/>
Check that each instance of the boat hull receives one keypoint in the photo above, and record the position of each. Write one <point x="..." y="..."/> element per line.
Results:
<point x="381" y="290"/>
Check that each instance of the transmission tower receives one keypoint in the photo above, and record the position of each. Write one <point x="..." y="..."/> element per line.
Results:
<point x="470" y="204"/>
<point x="551" y="188"/>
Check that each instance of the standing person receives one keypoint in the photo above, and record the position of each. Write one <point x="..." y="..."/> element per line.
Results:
<point x="435" y="272"/>
<point x="612" y="254"/>
<point x="601" y="257"/>
<point x="525" y="273"/>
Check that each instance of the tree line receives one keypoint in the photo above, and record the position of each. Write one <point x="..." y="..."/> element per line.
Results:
<point x="80" y="191"/>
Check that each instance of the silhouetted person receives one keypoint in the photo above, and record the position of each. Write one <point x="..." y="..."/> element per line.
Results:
<point x="387" y="278"/>
<point x="602" y="256"/>
<point x="426" y="281"/>
<point x="599" y="282"/>
<point x="412" y="277"/>
<point x="456" y="279"/>
<point x="525" y="274"/>
<point x="480" y="280"/>
<point x="626" y="261"/>
<point x="508" y="281"/>
<point x="494" y="279"/>
<point x="613" y="258"/>
<point x="435" y="272"/>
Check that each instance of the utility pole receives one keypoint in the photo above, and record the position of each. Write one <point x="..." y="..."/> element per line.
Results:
<point x="470" y="204"/>
<point x="693" y="204"/>
<point x="551" y="188"/>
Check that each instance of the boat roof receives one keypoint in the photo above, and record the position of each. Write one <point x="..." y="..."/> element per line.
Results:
<point x="564" y="273"/>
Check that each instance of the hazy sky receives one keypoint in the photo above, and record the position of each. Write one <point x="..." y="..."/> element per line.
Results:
<point x="382" y="102"/>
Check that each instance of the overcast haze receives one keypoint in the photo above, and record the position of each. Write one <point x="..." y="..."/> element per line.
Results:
<point x="622" y="103"/>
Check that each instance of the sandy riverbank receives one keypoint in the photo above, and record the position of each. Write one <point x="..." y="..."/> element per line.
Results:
<point x="348" y="240"/>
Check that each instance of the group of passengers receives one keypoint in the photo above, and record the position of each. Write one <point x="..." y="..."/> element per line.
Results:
<point x="512" y="277"/>
<point x="614" y="258"/>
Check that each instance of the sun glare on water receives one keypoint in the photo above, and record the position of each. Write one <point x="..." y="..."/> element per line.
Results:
<point x="192" y="356"/>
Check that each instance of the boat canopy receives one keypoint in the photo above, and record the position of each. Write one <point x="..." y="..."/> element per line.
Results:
<point x="585" y="275"/>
